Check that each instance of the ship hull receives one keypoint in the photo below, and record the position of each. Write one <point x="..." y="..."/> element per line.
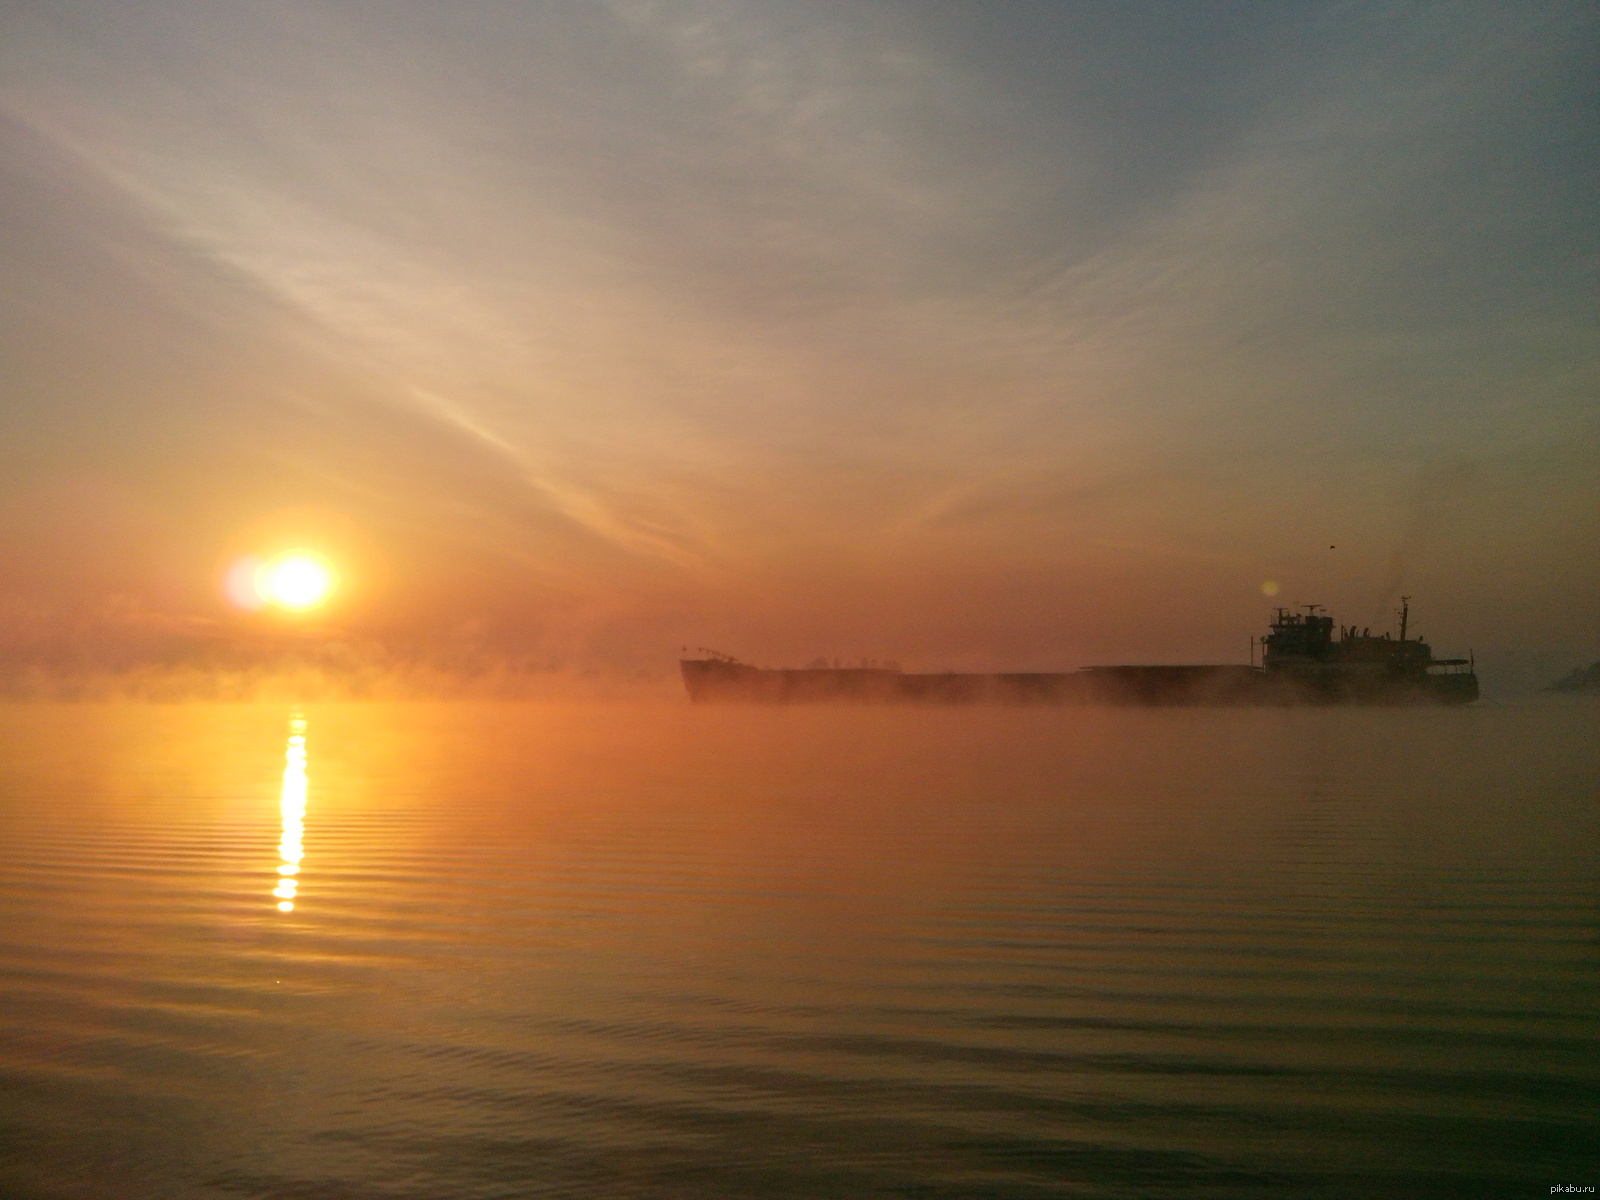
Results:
<point x="714" y="681"/>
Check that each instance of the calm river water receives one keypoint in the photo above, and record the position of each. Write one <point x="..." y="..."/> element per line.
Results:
<point x="443" y="952"/>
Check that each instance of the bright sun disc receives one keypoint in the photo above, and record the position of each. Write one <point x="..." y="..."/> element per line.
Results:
<point x="295" y="581"/>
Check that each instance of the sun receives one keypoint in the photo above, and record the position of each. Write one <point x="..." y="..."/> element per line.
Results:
<point x="297" y="581"/>
<point x="293" y="581"/>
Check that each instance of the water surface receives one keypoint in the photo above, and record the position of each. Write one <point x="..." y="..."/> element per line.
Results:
<point x="458" y="951"/>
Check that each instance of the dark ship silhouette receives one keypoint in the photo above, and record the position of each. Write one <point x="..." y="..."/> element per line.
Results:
<point x="1301" y="663"/>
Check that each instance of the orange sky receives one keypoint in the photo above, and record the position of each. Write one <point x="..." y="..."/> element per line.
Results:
<point x="918" y="330"/>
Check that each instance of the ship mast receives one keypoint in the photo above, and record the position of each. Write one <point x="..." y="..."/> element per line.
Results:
<point x="1405" y="615"/>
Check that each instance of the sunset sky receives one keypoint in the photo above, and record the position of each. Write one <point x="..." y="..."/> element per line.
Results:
<point x="977" y="333"/>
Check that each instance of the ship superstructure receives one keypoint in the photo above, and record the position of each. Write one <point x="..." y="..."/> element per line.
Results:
<point x="1359" y="666"/>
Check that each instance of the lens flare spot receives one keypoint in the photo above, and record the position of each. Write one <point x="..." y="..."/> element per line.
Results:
<point x="239" y="585"/>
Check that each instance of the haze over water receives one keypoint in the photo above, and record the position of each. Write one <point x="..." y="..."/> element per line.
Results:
<point x="663" y="951"/>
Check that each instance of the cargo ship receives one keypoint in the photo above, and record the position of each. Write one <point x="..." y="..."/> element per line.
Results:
<point x="1301" y="662"/>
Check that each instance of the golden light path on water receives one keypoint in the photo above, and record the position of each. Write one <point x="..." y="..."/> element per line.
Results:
<point x="292" y="805"/>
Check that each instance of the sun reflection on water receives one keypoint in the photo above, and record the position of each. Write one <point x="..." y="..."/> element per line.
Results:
<point x="293" y="808"/>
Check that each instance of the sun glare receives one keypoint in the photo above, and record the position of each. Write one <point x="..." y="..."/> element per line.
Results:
<point x="297" y="581"/>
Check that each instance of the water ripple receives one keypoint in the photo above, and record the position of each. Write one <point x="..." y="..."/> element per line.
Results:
<point x="530" y="952"/>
